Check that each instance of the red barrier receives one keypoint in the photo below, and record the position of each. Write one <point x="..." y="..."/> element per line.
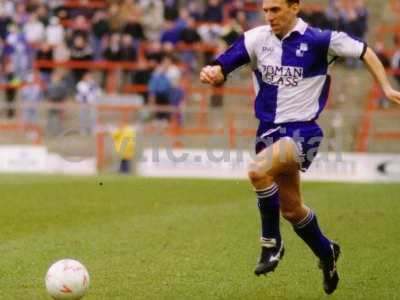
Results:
<point x="19" y="127"/>
<point x="91" y="4"/>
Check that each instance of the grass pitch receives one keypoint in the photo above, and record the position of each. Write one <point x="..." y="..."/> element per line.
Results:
<point x="189" y="239"/>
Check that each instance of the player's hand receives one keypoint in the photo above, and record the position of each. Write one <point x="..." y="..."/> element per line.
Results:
<point x="393" y="95"/>
<point x="212" y="75"/>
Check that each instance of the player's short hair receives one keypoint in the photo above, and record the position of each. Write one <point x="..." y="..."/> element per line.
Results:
<point x="290" y="2"/>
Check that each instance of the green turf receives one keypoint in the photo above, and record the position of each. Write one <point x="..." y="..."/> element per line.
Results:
<point x="188" y="239"/>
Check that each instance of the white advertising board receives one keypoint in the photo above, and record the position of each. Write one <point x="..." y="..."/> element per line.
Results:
<point x="23" y="159"/>
<point x="199" y="163"/>
<point x="36" y="159"/>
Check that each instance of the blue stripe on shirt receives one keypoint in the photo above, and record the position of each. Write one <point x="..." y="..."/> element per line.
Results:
<point x="313" y="59"/>
<point x="266" y="100"/>
<point x="234" y="57"/>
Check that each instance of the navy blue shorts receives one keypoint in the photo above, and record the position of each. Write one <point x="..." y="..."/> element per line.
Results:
<point x="306" y="135"/>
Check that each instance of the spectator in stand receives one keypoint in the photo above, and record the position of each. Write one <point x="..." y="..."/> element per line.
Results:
<point x="154" y="53"/>
<point x="174" y="74"/>
<point x="100" y="30"/>
<point x="182" y="20"/>
<point x="5" y="21"/>
<point x="57" y="93"/>
<point x="142" y="76"/>
<point x="87" y="95"/>
<point x="213" y="12"/>
<point x="152" y="18"/>
<point x="127" y="9"/>
<point x="128" y="54"/>
<point x="113" y="51"/>
<point x="55" y="33"/>
<point x="9" y="7"/>
<point x="61" y="12"/>
<point x="316" y="16"/>
<point x="160" y="90"/>
<point x="210" y="34"/>
<point x="114" y="19"/>
<point x="80" y="51"/>
<point x="20" y="15"/>
<point x="353" y="18"/>
<point x="171" y="10"/>
<point x="128" y="51"/>
<point x="171" y="33"/>
<point x="62" y="53"/>
<point x="13" y="82"/>
<point x="134" y="28"/>
<point x="30" y="95"/>
<point x="234" y="7"/>
<point x="45" y="52"/>
<point x="253" y="16"/>
<point x="34" y="30"/>
<point x="231" y="31"/>
<point x="18" y="53"/>
<point x="80" y="27"/>
<point x="241" y="20"/>
<point x="43" y="14"/>
<point x="2" y="59"/>
<point x="195" y="11"/>
<point x="190" y="36"/>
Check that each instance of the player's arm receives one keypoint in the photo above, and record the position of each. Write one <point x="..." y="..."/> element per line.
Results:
<point x="344" y="46"/>
<point x="377" y="70"/>
<point x="237" y="55"/>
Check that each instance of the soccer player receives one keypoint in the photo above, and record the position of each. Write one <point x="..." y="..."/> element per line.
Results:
<point x="290" y="61"/>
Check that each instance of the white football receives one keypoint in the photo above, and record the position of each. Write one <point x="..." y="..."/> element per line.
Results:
<point x="67" y="279"/>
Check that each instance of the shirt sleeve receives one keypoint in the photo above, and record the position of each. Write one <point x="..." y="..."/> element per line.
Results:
<point x="234" y="57"/>
<point x="343" y="45"/>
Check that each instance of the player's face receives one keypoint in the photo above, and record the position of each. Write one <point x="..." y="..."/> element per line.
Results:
<point x="280" y="15"/>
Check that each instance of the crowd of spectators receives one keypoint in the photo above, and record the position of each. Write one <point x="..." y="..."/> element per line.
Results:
<point x="145" y="32"/>
<point x="32" y="30"/>
<point x="350" y="16"/>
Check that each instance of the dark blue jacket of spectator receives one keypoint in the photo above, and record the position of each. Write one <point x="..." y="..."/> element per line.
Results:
<point x="356" y="28"/>
<point x="4" y="22"/>
<point x="160" y="85"/>
<point x="172" y="35"/>
<point x="213" y="14"/>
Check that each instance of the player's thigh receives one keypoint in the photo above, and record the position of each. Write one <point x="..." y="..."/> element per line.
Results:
<point x="281" y="157"/>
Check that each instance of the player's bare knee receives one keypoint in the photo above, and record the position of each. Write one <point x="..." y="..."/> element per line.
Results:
<point x="293" y="215"/>
<point x="260" y="180"/>
<point x="259" y="177"/>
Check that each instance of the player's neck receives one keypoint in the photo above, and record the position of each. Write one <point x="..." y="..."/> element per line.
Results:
<point x="288" y="29"/>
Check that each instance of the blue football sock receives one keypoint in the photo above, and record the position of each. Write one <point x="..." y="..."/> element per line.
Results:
<point x="268" y="203"/>
<point x="310" y="232"/>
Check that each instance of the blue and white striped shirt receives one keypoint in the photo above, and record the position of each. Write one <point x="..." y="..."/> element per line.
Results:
<point x="290" y="76"/>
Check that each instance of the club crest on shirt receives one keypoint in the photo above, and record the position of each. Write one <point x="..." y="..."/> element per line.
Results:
<point x="282" y="75"/>
<point x="303" y="47"/>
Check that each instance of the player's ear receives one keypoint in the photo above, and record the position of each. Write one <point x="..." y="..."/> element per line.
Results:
<point x="295" y="8"/>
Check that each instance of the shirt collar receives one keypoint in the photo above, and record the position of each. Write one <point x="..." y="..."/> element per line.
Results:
<point x="300" y="27"/>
